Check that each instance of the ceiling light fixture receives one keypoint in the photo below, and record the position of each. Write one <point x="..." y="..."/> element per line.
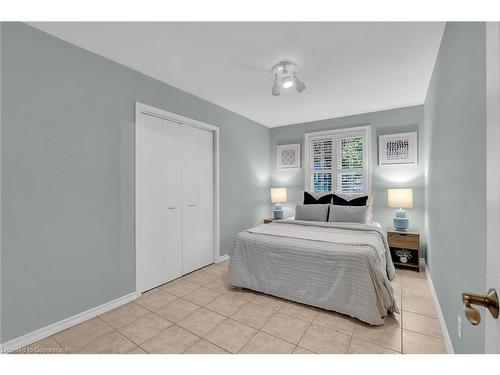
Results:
<point x="285" y="73"/>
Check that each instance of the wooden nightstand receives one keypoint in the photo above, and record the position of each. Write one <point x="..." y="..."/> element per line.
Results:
<point x="269" y="220"/>
<point x="404" y="241"/>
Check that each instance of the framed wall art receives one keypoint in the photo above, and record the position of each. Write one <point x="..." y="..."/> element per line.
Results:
<point x="288" y="157"/>
<point x="397" y="149"/>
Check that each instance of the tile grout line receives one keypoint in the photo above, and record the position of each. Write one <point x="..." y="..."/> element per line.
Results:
<point x="305" y="331"/>
<point x="259" y="330"/>
<point x="202" y="338"/>
<point x="352" y="335"/>
<point x="128" y="339"/>
<point x="95" y="338"/>
<point x="158" y="315"/>
<point x="423" y="334"/>
<point x="371" y="343"/>
<point x="66" y="350"/>
<point x="199" y="337"/>
<point x="382" y="345"/>
<point x="419" y="313"/>
<point x="413" y="312"/>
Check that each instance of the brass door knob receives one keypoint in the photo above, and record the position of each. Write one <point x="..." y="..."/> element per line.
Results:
<point x="490" y="301"/>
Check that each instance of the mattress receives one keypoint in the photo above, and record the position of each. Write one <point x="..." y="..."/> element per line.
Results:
<point x="343" y="267"/>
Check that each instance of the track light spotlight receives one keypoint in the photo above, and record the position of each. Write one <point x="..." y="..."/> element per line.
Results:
<point x="299" y="85"/>
<point x="276" y="88"/>
<point x="285" y="76"/>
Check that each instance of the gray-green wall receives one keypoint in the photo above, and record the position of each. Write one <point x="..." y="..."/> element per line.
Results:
<point x="67" y="154"/>
<point x="455" y="139"/>
<point x="383" y="177"/>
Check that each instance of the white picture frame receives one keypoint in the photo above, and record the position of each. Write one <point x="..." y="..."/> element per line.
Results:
<point x="288" y="157"/>
<point x="397" y="149"/>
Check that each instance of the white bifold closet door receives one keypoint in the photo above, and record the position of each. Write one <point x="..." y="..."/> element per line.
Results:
<point x="175" y="223"/>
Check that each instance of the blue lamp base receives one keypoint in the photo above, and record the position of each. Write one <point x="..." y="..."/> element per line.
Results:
<point x="278" y="211"/>
<point x="400" y="221"/>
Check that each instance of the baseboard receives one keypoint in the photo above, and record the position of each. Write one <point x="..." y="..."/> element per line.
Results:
<point x="53" y="328"/>
<point x="447" y="340"/>
<point x="222" y="258"/>
<point x="422" y="264"/>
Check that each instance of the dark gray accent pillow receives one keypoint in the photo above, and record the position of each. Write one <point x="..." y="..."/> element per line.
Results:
<point x="351" y="214"/>
<point x="312" y="212"/>
<point x="311" y="199"/>
<point x="359" y="201"/>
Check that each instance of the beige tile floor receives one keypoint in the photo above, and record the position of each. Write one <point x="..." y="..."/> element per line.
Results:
<point x="199" y="313"/>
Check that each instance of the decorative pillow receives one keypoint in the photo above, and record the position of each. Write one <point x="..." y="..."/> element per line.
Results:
<point x="359" y="201"/>
<point x="351" y="214"/>
<point x="311" y="199"/>
<point x="316" y="212"/>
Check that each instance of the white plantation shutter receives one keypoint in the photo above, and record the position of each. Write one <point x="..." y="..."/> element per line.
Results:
<point x="338" y="161"/>
<point x="321" y="164"/>
<point x="350" y="163"/>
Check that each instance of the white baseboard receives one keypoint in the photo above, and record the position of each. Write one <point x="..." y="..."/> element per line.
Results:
<point x="222" y="258"/>
<point x="53" y="328"/>
<point x="447" y="340"/>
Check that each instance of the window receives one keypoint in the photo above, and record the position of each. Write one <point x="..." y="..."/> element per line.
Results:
<point x="338" y="161"/>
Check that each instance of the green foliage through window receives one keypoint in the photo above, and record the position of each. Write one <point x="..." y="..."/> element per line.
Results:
<point x="352" y="153"/>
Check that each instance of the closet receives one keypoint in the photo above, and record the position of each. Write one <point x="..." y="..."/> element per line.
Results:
<point x="174" y="199"/>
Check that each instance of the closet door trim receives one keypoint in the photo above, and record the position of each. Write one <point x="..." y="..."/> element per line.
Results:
<point x="141" y="108"/>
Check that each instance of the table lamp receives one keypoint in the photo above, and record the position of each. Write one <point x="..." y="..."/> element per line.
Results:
<point x="400" y="198"/>
<point x="278" y="195"/>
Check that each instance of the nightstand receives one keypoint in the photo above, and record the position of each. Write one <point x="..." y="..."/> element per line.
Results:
<point x="269" y="220"/>
<point x="405" y="248"/>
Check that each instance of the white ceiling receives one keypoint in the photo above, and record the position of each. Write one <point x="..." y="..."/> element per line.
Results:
<point x="348" y="68"/>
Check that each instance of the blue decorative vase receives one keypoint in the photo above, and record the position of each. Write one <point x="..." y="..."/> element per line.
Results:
<point x="278" y="211"/>
<point x="400" y="221"/>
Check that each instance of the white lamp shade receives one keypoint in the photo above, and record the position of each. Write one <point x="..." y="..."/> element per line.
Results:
<point x="279" y="195"/>
<point x="400" y="198"/>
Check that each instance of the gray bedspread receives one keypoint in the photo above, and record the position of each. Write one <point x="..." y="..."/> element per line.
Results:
<point x="344" y="267"/>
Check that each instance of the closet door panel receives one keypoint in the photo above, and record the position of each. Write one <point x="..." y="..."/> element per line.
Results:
<point x="196" y="242"/>
<point x="190" y="191"/>
<point x="190" y="166"/>
<point x="206" y="197"/>
<point x="150" y="202"/>
<point x="172" y="182"/>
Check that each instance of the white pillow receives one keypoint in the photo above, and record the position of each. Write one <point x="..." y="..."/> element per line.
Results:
<point x="351" y="214"/>
<point x="311" y="212"/>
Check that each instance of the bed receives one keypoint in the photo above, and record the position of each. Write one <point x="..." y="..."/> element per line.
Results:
<point x="343" y="267"/>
